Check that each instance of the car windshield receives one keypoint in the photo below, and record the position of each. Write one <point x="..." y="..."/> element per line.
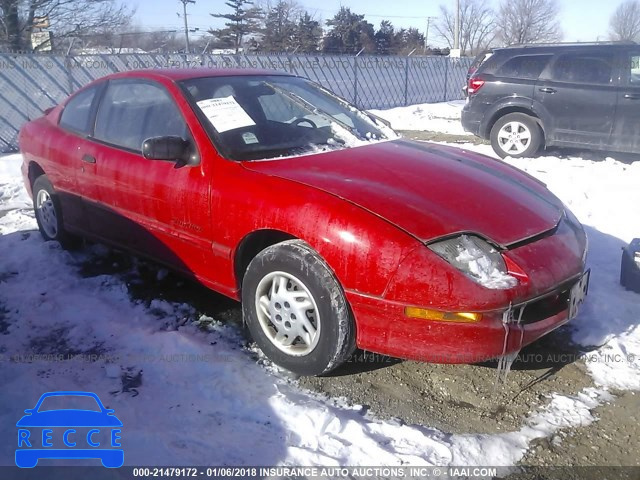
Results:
<point x="69" y="402"/>
<point x="261" y="117"/>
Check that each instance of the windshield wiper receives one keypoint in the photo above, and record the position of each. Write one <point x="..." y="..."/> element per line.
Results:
<point x="311" y="108"/>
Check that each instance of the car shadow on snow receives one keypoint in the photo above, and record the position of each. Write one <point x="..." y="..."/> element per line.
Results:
<point x="214" y="411"/>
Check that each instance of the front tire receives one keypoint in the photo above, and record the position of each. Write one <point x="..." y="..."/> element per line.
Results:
<point x="48" y="211"/>
<point x="296" y="310"/>
<point x="516" y="135"/>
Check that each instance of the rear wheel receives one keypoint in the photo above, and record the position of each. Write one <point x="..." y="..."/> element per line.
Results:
<point x="48" y="211"/>
<point x="516" y="135"/>
<point x="296" y="310"/>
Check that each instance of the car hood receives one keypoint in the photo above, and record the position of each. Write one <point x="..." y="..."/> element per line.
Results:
<point x="429" y="190"/>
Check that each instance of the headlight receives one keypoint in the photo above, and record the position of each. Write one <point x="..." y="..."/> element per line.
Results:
<point x="477" y="260"/>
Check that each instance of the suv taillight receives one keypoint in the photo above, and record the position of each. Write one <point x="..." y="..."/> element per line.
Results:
<point x="475" y="84"/>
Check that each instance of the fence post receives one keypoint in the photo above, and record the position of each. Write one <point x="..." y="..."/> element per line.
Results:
<point x="406" y="81"/>
<point x="355" y="80"/>
<point x="69" y="68"/>
<point x="446" y="77"/>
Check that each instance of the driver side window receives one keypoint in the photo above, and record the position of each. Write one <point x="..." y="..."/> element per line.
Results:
<point x="132" y="111"/>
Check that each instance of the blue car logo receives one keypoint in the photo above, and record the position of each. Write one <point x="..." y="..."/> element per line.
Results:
<point x="69" y="425"/>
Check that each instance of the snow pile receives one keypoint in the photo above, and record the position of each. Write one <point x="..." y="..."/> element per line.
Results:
<point x="481" y="267"/>
<point x="435" y="117"/>
<point x="12" y="192"/>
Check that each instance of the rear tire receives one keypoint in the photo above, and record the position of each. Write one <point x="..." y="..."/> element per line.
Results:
<point x="296" y="310"/>
<point x="48" y="211"/>
<point x="516" y="135"/>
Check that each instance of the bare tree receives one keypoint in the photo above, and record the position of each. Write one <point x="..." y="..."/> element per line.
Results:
<point x="529" y="21"/>
<point x="477" y="26"/>
<point x="625" y="22"/>
<point x="67" y="18"/>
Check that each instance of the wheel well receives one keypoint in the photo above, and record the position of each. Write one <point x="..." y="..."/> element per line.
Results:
<point x="506" y="111"/>
<point x="253" y="244"/>
<point x="35" y="171"/>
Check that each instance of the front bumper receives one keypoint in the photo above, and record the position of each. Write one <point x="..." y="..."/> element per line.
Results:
<point x="382" y="327"/>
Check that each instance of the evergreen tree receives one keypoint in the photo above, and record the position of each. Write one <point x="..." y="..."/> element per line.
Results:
<point x="279" y="27"/>
<point x="241" y="21"/>
<point x="349" y="33"/>
<point x="407" y="40"/>
<point x="308" y="34"/>
<point x="384" y="38"/>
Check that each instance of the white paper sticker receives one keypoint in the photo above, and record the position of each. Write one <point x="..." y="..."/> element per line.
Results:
<point x="225" y="114"/>
<point x="249" y="138"/>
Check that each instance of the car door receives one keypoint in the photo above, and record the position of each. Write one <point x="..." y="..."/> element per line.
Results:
<point x="149" y="206"/>
<point x="72" y="179"/>
<point x="576" y="96"/>
<point x="626" y="130"/>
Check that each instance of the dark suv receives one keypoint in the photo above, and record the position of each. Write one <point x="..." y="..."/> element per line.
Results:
<point x="568" y="95"/>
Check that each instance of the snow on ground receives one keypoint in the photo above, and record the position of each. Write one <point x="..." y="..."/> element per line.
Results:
<point x="204" y="399"/>
<point x="436" y="117"/>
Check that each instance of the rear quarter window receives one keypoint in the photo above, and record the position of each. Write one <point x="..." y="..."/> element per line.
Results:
<point x="524" y="66"/>
<point x="77" y="111"/>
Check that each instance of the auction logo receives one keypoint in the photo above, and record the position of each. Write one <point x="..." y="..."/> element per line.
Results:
<point x="69" y="425"/>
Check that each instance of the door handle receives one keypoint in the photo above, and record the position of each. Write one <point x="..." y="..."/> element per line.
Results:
<point x="547" y="90"/>
<point x="88" y="158"/>
<point x="632" y="96"/>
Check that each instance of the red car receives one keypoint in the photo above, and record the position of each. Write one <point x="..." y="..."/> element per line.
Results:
<point x="332" y="231"/>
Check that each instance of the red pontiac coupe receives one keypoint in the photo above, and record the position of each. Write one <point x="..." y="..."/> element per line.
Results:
<point x="332" y="231"/>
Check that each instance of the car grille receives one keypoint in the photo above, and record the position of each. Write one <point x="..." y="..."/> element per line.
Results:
<point x="542" y="307"/>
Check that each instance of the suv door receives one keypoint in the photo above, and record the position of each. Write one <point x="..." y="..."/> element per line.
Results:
<point x="626" y="134"/>
<point x="149" y="206"/>
<point x="576" y="98"/>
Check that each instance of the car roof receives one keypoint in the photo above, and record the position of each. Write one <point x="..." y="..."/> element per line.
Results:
<point x="177" y="74"/>
<point x="552" y="47"/>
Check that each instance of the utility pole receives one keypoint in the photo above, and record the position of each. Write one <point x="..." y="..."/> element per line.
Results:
<point x="426" y="35"/>
<point x="186" y="24"/>
<point x="456" y="33"/>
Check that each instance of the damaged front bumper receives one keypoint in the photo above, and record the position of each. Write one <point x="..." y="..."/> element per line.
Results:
<point x="383" y="327"/>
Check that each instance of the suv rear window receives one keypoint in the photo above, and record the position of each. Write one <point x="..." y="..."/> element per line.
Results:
<point x="583" y="68"/>
<point x="524" y="66"/>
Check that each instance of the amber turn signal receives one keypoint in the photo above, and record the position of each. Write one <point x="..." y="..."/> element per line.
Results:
<point x="428" y="314"/>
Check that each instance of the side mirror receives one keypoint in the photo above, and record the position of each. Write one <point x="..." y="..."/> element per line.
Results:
<point x="170" y="148"/>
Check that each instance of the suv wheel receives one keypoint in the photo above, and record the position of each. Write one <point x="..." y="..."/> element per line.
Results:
<point x="516" y="135"/>
<point x="296" y="310"/>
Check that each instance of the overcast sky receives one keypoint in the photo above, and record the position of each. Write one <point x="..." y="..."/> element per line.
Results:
<point x="582" y="20"/>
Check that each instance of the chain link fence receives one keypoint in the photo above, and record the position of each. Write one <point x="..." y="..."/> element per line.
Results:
<point x="31" y="83"/>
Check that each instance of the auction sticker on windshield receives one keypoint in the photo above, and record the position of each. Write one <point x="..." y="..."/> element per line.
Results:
<point x="225" y="114"/>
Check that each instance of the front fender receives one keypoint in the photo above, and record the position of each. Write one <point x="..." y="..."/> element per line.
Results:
<point x="362" y="249"/>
